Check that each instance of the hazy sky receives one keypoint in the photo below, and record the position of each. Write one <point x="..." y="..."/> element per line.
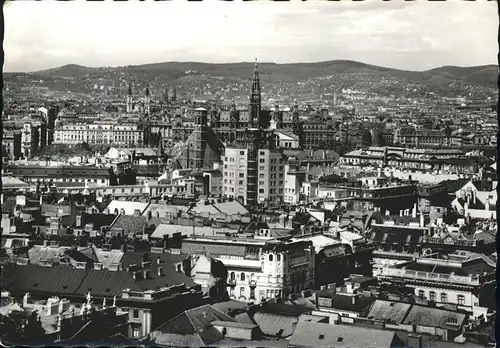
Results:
<point x="414" y="36"/>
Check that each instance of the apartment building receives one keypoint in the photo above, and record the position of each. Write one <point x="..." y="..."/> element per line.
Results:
<point x="11" y="145"/>
<point x="464" y="282"/>
<point x="253" y="175"/>
<point x="259" y="269"/>
<point x="98" y="134"/>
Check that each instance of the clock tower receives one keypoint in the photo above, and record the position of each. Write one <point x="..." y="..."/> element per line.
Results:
<point x="255" y="98"/>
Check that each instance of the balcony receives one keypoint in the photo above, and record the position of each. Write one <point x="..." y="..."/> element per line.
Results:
<point x="231" y="281"/>
<point x="252" y="283"/>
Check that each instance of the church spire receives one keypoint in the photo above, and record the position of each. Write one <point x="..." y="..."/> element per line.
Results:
<point x="255" y="97"/>
<point x="147" y="91"/>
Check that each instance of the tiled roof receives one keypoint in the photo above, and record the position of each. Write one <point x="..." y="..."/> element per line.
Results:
<point x="193" y="326"/>
<point x="98" y="220"/>
<point x="309" y="334"/>
<point x="345" y="302"/>
<point x="130" y="223"/>
<point x="271" y="324"/>
<point x="434" y="317"/>
<point x="387" y="310"/>
<point x="64" y="279"/>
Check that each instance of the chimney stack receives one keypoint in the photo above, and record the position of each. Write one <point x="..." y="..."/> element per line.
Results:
<point x="414" y="341"/>
<point x="78" y="222"/>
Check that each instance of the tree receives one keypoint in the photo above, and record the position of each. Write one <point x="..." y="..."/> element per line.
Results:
<point x="428" y="123"/>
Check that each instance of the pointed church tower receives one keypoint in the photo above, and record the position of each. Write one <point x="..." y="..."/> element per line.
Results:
<point x="166" y="95"/>
<point x="147" y="102"/>
<point x="130" y="102"/>
<point x="255" y="98"/>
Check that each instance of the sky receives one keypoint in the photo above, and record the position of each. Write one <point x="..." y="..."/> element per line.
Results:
<point x="416" y="35"/>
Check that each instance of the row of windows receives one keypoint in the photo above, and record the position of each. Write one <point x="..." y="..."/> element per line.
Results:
<point x="444" y="297"/>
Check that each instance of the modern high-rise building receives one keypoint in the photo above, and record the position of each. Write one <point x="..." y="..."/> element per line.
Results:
<point x="253" y="171"/>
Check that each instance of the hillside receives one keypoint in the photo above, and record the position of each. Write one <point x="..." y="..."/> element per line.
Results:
<point x="274" y="73"/>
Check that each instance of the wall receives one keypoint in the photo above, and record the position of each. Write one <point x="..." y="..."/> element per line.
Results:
<point x="236" y="332"/>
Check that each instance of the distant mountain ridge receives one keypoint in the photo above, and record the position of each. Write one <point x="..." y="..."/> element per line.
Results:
<point x="486" y="75"/>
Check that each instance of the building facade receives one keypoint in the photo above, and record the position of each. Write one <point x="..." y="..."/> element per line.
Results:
<point x="259" y="269"/>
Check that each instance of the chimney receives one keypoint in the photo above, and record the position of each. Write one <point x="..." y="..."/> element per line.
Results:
<point x="137" y="212"/>
<point x="78" y="222"/>
<point x="353" y="299"/>
<point x="422" y="222"/>
<point x="414" y="341"/>
<point x="414" y="211"/>
<point x="160" y="271"/>
<point x="122" y="211"/>
<point x="401" y="212"/>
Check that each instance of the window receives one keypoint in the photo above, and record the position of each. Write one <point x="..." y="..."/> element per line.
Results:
<point x="270" y="257"/>
<point x="340" y="339"/>
<point x="242" y="175"/>
<point x="432" y="296"/>
<point x="261" y="190"/>
<point x="242" y="277"/>
<point x="444" y="297"/>
<point x="461" y="299"/>
<point x="242" y="291"/>
<point x="278" y="257"/>
<point x="421" y="294"/>
<point x="136" y="313"/>
<point x="242" y="153"/>
<point x="252" y="293"/>
<point x="233" y="276"/>
<point x="135" y="332"/>
<point x="321" y="337"/>
<point x="252" y="276"/>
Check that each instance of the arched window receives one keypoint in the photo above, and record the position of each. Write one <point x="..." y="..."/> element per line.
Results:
<point x="278" y="257"/>
<point x="252" y="276"/>
<point x="242" y="277"/>
<point x="270" y="257"/>
<point x="233" y="276"/>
